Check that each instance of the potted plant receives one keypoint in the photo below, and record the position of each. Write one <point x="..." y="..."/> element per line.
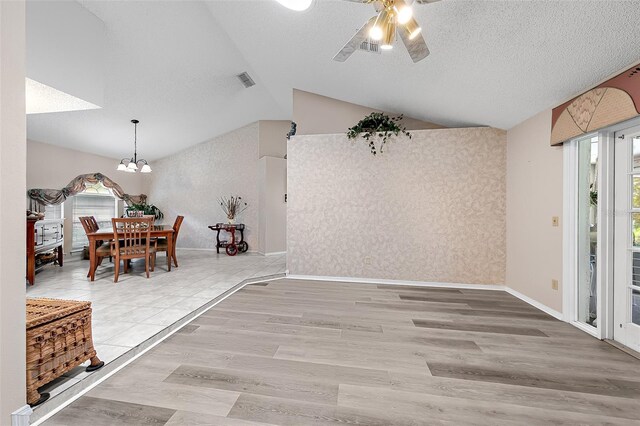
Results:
<point x="377" y="125"/>
<point x="144" y="209"/>
<point x="232" y="207"/>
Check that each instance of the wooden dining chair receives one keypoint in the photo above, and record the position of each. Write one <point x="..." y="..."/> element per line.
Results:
<point x="103" y="249"/>
<point x="163" y="244"/>
<point x="132" y="240"/>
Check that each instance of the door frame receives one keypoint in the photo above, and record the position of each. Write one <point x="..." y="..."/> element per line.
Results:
<point x="606" y="223"/>
<point x="604" y="254"/>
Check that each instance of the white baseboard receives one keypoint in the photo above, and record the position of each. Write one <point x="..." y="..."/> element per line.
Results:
<point x="509" y="290"/>
<point x="535" y="303"/>
<point x="212" y="249"/>
<point x="21" y="416"/>
<point x="274" y="253"/>
<point x="398" y="282"/>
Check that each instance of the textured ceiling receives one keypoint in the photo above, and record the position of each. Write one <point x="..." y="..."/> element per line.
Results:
<point x="172" y="65"/>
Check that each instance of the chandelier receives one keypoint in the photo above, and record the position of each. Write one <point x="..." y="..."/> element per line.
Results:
<point x="130" y="165"/>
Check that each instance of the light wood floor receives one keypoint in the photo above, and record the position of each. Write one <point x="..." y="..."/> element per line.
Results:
<point x="293" y="352"/>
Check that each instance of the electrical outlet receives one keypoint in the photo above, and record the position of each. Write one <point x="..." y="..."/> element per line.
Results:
<point x="555" y="221"/>
<point x="554" y="284"/>
<point x="367" y="260"/>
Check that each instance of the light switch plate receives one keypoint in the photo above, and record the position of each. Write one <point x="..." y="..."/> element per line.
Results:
<point x="555" y="221"/>
<point x="554" y="284"/>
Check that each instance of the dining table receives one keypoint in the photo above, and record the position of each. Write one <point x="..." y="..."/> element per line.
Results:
<point x="106" y="234"/>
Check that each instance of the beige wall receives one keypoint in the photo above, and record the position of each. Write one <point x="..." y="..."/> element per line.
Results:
<point x="273" y="209"/>
<point x="429" y="209"/>
<point x="273" y="138"/>
<point x="190" y="183"/>
<point x="315" y="114"/>
<point x="534" y="196"/>
<point x="12" y="211"/>
<point x="51" y="166"/>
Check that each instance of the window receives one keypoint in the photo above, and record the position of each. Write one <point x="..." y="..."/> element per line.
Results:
<point x="587" y="230"/>
<point x="54" y="212"/>
<point x="96" y="201"/>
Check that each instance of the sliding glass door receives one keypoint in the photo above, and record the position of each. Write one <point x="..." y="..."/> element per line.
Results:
<point x="626" y="287"/>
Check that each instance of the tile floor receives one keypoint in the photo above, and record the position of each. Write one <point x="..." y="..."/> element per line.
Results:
<point x="129" y="312"/>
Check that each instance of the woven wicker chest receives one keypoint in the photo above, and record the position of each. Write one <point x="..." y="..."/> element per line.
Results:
<point x="58" y="340"/>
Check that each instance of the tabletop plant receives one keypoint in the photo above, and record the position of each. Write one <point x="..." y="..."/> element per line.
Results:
<point x="147" y="209"/>
<point x="232" y="207"/>
<point x="377" y="125"/>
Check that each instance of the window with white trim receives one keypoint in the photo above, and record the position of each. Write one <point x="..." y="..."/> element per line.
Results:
<point x="96" y="201"/>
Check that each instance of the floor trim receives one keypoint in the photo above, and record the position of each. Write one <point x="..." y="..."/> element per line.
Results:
<point x="57" y="403"/>
<point x="397" y="282"/>
<point x="534" y="303"/>
<point x="509" y="290"/>
<point x="623" y="348"/>
<point x="273" y="253"/>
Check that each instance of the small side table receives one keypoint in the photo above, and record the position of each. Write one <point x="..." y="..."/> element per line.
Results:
<point x="233" y="246"/>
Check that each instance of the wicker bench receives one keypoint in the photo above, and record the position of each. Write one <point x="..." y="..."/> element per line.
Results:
<point x="58" y="340"/>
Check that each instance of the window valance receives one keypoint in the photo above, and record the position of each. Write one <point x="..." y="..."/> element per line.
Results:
<point x="38" y="198"/>
<point x="614" y="101"/>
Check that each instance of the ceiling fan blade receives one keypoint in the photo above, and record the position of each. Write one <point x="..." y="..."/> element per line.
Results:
<point x="353" y="44"/>
<point x="416" y="47"/>
<point x="426" y="1"/>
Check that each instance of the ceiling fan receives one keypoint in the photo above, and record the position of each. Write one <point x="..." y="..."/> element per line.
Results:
<point x="394" y="16"/>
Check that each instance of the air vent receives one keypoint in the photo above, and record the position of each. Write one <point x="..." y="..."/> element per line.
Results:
<point x="370" y="46"/>
<point x="246" y="80"/>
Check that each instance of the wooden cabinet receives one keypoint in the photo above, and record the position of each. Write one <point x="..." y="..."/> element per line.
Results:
<point x="43" y="236"/>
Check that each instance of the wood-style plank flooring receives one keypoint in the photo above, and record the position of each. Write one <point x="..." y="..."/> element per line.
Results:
<point x="293" y="352"/>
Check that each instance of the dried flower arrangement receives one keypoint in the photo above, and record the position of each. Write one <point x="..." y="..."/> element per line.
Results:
<point x="232" y="206"/>
<point x="380" y="125"/>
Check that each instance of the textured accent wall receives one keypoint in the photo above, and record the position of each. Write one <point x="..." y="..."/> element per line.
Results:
<point x="429" y="209"/>
<point x="190" y="182"/>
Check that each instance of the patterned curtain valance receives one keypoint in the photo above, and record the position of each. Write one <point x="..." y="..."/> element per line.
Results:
<point x="38" y="198"/>
<point x="614" y="101"/>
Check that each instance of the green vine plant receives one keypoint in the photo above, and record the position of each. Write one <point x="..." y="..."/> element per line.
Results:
<point x="377" y="125"/>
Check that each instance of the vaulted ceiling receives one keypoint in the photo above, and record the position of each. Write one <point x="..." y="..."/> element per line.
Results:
<point x="172" y="65"/>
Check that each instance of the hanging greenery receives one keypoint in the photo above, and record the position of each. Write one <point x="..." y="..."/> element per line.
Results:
<point x="377" y="125"/>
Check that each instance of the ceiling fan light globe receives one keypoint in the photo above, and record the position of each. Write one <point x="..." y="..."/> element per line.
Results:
<point x="404" y="14"/>
<point x="297" y="5"/>
<point x="122" y="167"/>
<point x="376" y="33"/>
<point x="145" y="169"/>
<point x="132" y="166"/>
